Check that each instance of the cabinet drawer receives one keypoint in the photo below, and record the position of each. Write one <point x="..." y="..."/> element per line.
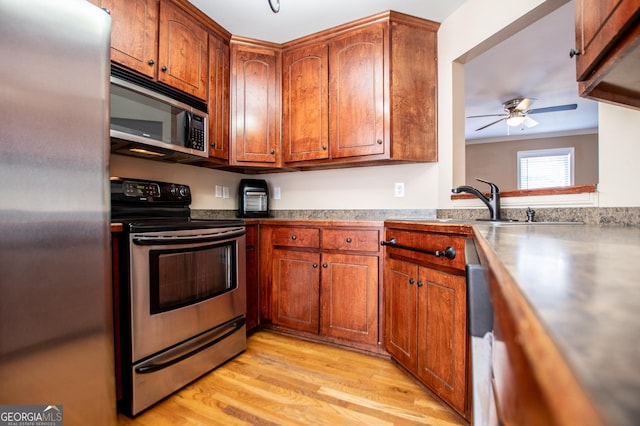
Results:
<point x="427" y="241"/>
<point x="351" y="239"/>
<point x="296" y="237"/>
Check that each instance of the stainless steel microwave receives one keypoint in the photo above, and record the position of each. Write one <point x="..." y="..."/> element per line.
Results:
<point x="150" y="124"/>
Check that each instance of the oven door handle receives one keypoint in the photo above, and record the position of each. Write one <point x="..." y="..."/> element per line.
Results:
<point x="190" y="239"/>
<point x="183" y="352"/>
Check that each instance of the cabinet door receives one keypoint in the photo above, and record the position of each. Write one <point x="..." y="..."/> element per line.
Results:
<point x="218" y="98"/>
<point x="442" y="335"/>
<point x="400" y="279"/>
<point x="296" y="283"/>
<point x="356" y="93"/>
<point x="254" y="109"/>
<point x="305" y="104"/>
<point x="134" y="34"/>
<point x="183" y="55"/>
<point x="599" y="24"/>
<point x="349" y="297"/>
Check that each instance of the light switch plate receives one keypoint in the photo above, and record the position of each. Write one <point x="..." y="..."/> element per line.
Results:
<point x="218" y="191"/>
<point x="276" y="193"/>
<point x="398" y="189"/>
<point x="225" y="192"/>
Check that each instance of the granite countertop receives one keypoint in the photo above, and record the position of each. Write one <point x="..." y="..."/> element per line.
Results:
<point x="583" y="283"/>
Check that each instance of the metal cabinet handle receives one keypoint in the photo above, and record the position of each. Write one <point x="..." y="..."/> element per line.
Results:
<point x="213" y="145"/>
<point x="348" y="240"/>
<point x="151" y="62"/>
<point x="324" y="265"/>
<point x="574" y="52"/>
<point x="164" y="68"/>
<point x="315" y="265"/>
<point x="379" y="141"/>
<point x="420" y="284"/>
<point x="273" y="151"/>
<point x="293" y="237"/>
<point x="411" y="281"/>
<point x="324" y="147"/>
<point x="448" y="252"/>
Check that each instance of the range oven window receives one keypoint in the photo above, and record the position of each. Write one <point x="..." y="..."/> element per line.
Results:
<point x="182" y="277"/>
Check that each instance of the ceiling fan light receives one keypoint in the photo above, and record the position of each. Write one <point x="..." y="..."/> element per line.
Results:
<point x="515" y="120"/>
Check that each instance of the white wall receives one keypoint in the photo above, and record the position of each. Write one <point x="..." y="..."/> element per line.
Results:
<point x="619" y="156"/>
<point x="202" y="181"/>
<point x="357" y="188"/>
<point x="475" y="27"/>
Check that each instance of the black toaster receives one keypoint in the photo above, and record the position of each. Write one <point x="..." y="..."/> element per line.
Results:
<point x="253" y="198"/>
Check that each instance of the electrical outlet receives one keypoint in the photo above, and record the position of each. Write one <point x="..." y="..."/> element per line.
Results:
<point x="276" y="193"/>
<point x="398" y="189"/>
<point x="225" y="192"/>
<point x="218" y="191"/>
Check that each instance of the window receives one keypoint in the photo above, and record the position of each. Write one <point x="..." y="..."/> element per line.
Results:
<point x="545" y="168"/>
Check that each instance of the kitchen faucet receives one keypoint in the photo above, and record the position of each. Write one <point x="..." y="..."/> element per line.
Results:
<point x="493" y="202"/>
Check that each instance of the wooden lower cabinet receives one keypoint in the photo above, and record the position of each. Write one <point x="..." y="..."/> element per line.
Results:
<point x="442" y="335"/>
<point x="349" y="298"/>
<point x="401" y="325"/>
<point x="426" y="330"/>
<point x="425" y="314"/>
<point x="296" y="286"/>
<point x="323" y="283"/>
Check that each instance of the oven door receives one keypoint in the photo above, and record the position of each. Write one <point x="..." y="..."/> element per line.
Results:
<point x="184" y="283"/>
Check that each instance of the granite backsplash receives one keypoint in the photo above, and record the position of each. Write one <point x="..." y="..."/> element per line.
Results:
<point x="628" y="216"/>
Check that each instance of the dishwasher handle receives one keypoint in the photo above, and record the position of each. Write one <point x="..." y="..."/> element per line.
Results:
<point x="448" y="252"/>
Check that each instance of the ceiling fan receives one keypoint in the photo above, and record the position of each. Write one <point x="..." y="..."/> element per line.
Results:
<point x="516" y="112"/>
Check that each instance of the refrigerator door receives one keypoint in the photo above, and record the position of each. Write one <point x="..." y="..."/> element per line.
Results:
<point x="56" y="331"/>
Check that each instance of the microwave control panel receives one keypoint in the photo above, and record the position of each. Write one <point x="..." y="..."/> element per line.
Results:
<point x="197" y="133"/>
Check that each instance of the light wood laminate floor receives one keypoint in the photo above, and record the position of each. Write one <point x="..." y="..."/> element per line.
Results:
<point x="280" y="380"/>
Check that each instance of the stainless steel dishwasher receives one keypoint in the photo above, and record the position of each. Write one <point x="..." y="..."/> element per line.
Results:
<point x="480" y="323"/>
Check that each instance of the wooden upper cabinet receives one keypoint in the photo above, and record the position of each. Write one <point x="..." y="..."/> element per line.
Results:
<point x="305" y="103"/>
<point x="608" y="45"/>
<point x="255" y="123"/>
<point x="356" y="87"/>
<point x="183" y="56"/>
<point x="219" y="57"/>
<point x="381" y="93"/>
<point x="134" y="34"/>
<point x="413" y="99"/>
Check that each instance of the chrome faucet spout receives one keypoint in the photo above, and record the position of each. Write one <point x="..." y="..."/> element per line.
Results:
<point x="492" y="202"/>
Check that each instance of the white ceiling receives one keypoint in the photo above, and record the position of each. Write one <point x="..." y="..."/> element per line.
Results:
<point x="533" y="63"/>
<point x="297" y="18"/>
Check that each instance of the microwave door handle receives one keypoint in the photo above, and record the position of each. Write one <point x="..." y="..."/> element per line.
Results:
<point x="187" y="129"/>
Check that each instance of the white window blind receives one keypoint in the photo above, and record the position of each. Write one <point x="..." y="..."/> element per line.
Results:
<point x="545" y="168"/>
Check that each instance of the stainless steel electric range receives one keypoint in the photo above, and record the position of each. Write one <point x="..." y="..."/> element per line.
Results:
<point x="182" y="294"/>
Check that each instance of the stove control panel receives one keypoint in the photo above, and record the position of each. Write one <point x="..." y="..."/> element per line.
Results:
<point x="137" y="191"/>
<point x="141" y="189"/>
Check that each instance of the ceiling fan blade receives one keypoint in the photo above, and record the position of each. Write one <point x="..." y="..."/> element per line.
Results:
<point x="553" y="109"/>
<point x="524" y="104"/>
<point x="487" y="115"/>
<point x="530" y="122"/>
<point x="490" y="124"/>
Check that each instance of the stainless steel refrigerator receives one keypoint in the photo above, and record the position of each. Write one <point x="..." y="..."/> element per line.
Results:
<point x="56" y="337"/>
